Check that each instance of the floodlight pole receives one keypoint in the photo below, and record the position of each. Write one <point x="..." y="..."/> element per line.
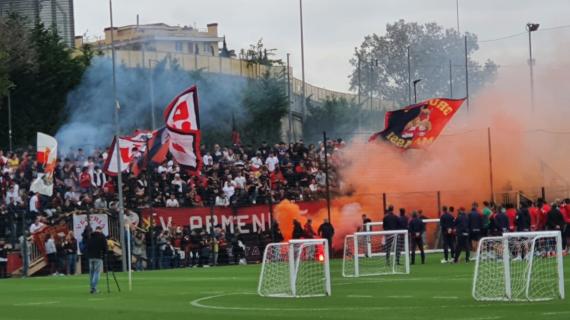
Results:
<point x="117" y="148"/>
<point x="10" y="119"/>
<point x="303" y="105"/>
<point x="530" y="27"/>
<point x="415" y="92"/>
<point x="327" y="176"/>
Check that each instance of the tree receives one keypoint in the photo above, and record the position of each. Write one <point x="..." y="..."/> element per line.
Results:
<point x="257" y="53"/>
<point x="47" y="70"/>
<point x="265" y="101"/>
<point x="15" y="53"/>
<point x="339" y="118"/>
<point x="380" y="63"/>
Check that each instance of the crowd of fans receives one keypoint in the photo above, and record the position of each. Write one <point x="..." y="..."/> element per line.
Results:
<point x="231" y="176"/>
<point x="239" y="175"/>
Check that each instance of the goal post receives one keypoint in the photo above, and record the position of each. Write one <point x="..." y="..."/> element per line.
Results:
<point x="376" y="253"/>
<point x="519" y="266"/>
<point x="298" y="268"/>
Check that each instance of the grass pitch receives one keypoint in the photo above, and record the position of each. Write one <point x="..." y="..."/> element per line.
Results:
<point x="431" y="291"/>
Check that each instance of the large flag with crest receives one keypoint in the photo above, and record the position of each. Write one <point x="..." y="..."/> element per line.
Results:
<point x="46" y="159"/>
<point x="182" y="119"/>
<point x="418" y="125"/>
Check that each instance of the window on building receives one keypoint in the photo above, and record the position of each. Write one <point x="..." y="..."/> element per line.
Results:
<point x="178" y="46"/>
<point x="190" y="47"/>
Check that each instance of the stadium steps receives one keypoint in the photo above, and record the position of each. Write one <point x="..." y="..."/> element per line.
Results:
<point x="34" y="268"/>
<point x="115" y="247"/>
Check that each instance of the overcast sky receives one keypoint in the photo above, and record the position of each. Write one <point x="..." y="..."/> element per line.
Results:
<point x="334" y="27"/>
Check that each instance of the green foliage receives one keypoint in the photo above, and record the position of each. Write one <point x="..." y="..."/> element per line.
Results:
<point x="258" y="54"/>
<point x="340" y="119"/>
<point x="380" y="63"/>
<point x="42" y="71"/>
<point x="265" y="100"/>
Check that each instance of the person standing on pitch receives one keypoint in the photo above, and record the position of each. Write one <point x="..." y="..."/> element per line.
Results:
<point x="462" y="228"/>
<point x="487" y="212"/>
<point x="390" y="222"/>
<point x="326" y="231"/>
<point x="475" y="226"/>
<point x="96" y="251"/>
<point x="446" y="225"/>
<point x="416" y="229"/>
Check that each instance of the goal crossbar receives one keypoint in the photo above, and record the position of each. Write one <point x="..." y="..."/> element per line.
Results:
<point x="514" y="261"/>
<point x="296" y="261"/>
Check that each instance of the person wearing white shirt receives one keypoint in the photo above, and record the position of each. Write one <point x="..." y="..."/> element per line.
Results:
<point x="178" y="182"/>
<point x="271" y="162"/>
<point x="34" y="203"/>
<point x="172" y="202"/>
<point x="256" y="162"/>
<point x="222" y="200"/>
<point x="239" y="181"/>
<point x="51" y="253"/>
<point x="36" y="226"/>
<point x="228" y="189"/>
<point x="208" y="160"/>
<point x="12" y="195"/>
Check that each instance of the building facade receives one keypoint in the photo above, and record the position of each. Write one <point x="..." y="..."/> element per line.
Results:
<point x="56" y="14"/>
<point x="160" y="37"/>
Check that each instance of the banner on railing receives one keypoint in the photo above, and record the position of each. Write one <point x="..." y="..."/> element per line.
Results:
<point x="95" y="220"/>
<point x="246" y="220"/>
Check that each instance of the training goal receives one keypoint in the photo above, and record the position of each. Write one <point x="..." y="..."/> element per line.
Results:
<point x="298" y="268"/>
<point x="519" y="266"/>
<point x="376" y="253"/>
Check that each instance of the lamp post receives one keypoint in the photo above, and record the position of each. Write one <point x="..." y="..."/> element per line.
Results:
<point x="415" y="92"/>
<point x="530" y="27"/>
<point x="151" y="77"/>
<point x="302" y="60"/>
<point x="10" y="118"/>
<point x="117" y="150"/>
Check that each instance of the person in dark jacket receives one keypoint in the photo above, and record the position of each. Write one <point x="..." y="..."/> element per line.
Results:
<point x="326" y="231"/>
<point x="555" y="219"/>
<point x="501" y="221"/>
<point x="523" y="218"/>
<point x="390" y="222"/>
<point x="416" y="229"/>
<point x="365" y="221"/>
<point x="403" y="220"/>
<point x="297" y="230"/>
<point x="96" y="251"/>
<point x="446" y="223"/>
<point x="276" y="234"/>
<point x="3" y="260"/>
<point x="475" y="226"/>
<point x="462" y="228"/>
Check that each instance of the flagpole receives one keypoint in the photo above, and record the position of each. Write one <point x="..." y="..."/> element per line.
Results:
<point x="490" y="165"/>
<point x="117" y="149"/>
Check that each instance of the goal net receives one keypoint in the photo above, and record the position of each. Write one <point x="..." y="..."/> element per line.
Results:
<point x="376" y="253"/>
<point x="519" y="266"/>
<point x="298" y="268"/>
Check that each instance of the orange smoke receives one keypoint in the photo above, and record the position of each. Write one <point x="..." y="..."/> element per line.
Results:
<point x="529" y="150"/>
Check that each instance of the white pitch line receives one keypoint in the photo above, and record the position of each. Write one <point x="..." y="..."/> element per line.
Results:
<point x="359" y="296"/>
<point x="555" y="313"/>
<point x="35" y="303"/>
<point x="445" y="298"/>
<point x="400" y="297"/>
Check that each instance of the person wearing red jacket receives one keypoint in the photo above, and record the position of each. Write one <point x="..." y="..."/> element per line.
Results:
<point x="512" y="215"/>
<point x="565" y="208"/>
<point x="85" y="180"/>
<point x="533" y="210"/>
<point x="544" y="209"/>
